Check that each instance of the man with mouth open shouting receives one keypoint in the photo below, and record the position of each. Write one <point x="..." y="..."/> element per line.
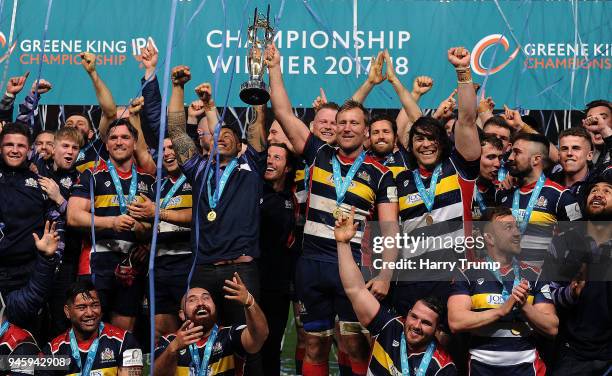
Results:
<point x="200" y="346"/>
<point x="399" y="346"/>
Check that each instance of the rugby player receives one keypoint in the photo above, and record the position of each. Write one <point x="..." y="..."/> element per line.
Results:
<point x="490" y="162"/>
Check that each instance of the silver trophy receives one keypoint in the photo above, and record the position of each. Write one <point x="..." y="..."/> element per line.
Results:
<point x="254" y="91"/>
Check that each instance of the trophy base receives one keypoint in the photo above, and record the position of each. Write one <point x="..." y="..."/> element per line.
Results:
<point x="254" y="93"/>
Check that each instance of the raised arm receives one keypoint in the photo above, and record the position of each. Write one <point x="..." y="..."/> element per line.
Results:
<point x="256" y="134"/>
<point x="256" y="331"/>
<point x="461" y="318"/>
<point x="204" y="92"/>
<point x="421" y="86"/>
<point x="485" y="110"/>
<point x="183" y="145"/>
<point x="409" y="105"/>
<point x="466" y="132"/>
<point x="375" y="77"/>
<point x="14" y="85"/>
<point x="151" y="111"/>
<point x="364" y="304"/>
<point x="297" y="132"/>
<point x="105" y="98"/>
<point x="144" y="159"/>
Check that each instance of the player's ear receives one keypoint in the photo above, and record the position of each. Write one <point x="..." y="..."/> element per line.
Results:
<point x="181" y="315"/>
<point x="67" y="311"/>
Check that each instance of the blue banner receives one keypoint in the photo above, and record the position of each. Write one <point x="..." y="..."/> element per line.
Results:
<point x="528" y="54"/>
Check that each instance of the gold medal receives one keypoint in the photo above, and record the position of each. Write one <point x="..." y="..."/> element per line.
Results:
<point x="211" y="216"/>
<point x="429" y="219"/>
<point x="337" y="212"/>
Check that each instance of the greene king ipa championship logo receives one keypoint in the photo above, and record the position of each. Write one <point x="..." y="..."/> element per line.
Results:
<point x="540" y="55"/>
<point x="3" y="45"/>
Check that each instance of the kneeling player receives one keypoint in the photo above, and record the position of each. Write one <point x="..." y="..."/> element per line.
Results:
<point x="200" y="347"/>
<point x="399" y="348"/>
<point x="94" y="346"/>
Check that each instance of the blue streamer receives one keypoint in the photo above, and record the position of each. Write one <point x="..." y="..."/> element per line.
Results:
<point x="162" y="131"/>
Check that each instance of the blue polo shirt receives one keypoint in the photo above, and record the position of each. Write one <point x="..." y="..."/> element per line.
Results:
<point x="235" y="231"/>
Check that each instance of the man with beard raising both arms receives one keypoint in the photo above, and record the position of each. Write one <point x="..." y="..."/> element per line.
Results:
<point x="340" y="178"/>
<point x="400" y="346"/>
<point x="436" y="196"/>
<point x="201" y="346"/>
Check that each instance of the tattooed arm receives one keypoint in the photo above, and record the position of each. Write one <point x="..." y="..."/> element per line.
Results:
<point x="256" y="130"/>
<point x="183" y="145"/>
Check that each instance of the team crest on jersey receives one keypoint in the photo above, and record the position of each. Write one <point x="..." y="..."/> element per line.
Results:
<point x="66" y="182"/>
<point x="107" y="183"/>
<point x="504" y="199"/>
<point x="390" y="159"/>
<point x="96" y="373"/>
<point x="364" y="176"/>
<point x="288" y="204"/>
<point x="394" y="371"/>
<point x="217" y="348"/>
<point x="143" y="187"/>
<point x="545" y="290"/>
<point x="406" y="182"/>
<point x="412" y="198"/>
<point x="480" y="281"/>
<point x="187" y="186"/>
<point x="107" y="355"/>
<point x="31" y="182"/>
<point x="542" y="202"/>
<point x="395" y="343"/>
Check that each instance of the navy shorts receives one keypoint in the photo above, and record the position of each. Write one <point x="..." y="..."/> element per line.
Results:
<point x="114" y="297"/>
<point x="319" y="289"/>
<point x="169" y="290"/>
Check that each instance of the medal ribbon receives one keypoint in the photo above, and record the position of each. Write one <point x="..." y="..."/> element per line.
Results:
<point x="82" y="152"/>
<point x="213" y="199"/>
<point x="427" y="195"/>
<point x="502" y="173"/>
<point x="117" y="182"/>
<point x="517" y="277"/>
<point x="306" y="176"/>
<point x="479" y="199"/>
<point x="179" y="182"/>
<point x="4" y="328"/>
<point x="424" y="362"/>
<point x="91" y="353"/>
<point x="523" y="220"/>
<point x="342" y="185"/>
<point x="201" y="369"/>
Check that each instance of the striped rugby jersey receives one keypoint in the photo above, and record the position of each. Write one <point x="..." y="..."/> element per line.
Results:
<point x="396" y="161"/>
<point x="373" y="184"/>
<point x="116" y="348"/>
<point x="110" y="245"/>
<point x="555" y="204"/>
<point x="173" y="242"/>
<point x="387" y="330"/>
<point x="506" y="342"/>
<point x="96" y="151"/>
<point x="222" y="361"/>
<point x="301" y="188"/>
<point x="452" y="207"/>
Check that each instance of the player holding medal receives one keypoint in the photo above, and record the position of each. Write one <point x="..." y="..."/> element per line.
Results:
<point x="501" y="307"/>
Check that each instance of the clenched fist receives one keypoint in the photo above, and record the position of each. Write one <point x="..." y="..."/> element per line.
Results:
<point x="88" y="61"/>
<point x="459" y="57"/>
<point x="180" y="75"/>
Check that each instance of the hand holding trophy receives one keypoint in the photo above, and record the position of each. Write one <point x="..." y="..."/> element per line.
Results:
<point x="254" y="91"/>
